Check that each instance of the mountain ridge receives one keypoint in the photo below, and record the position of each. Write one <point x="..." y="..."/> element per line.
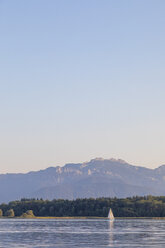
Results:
<point x="97" y="178"/>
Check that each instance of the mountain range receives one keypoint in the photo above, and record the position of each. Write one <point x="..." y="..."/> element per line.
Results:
<point x="96" y="178"/>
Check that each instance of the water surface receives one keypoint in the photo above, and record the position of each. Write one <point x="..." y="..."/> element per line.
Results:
<point x="72" y="233"/>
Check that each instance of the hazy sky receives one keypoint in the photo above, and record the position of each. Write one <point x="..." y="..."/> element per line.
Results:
<point x="79" y="80"/>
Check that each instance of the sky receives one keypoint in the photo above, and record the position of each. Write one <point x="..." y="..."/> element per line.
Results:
<point x="79" y="80"/>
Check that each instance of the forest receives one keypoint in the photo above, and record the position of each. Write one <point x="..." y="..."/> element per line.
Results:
<point x="147" y="206"/>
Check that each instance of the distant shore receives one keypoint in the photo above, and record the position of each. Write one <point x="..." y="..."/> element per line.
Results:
<point x="148" y="207"/>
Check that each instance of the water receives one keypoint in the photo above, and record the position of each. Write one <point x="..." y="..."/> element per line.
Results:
<point x="82" y="233"/>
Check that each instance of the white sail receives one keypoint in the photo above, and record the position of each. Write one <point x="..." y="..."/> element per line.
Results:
<point x="110" y="215"/>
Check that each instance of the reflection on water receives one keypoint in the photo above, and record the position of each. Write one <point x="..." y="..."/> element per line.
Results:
<point x="86" y="233"/>
<point x="111" y="224"/>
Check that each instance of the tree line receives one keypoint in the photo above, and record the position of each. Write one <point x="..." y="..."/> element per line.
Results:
<point x="147" y="206"/>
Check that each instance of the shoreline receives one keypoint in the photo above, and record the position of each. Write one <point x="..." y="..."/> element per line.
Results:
<point x="104" y="218"/>
<point x="85" y="218"/>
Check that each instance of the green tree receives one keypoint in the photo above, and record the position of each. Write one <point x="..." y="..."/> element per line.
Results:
<point x="10" y="213"/>
<point x="28" y="214"/>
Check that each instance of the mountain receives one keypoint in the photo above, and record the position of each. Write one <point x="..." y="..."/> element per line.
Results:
<point x="97" y="178"/>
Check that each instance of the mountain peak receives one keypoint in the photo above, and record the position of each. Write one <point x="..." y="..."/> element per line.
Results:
<point x="97" y="159"/>
<point x="121" y="161"/>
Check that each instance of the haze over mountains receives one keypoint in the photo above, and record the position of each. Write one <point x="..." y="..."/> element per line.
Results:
<point x="97" y="178"/>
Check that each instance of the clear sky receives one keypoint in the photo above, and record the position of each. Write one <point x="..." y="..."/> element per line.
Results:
<point x="81" y="79"/>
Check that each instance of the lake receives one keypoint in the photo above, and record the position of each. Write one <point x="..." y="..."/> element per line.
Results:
<point x="82" y="233"/>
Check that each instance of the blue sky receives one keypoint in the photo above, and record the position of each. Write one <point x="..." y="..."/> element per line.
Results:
<point x="79" y="80"/>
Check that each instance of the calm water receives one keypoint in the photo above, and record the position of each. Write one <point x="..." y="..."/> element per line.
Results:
<point x="82" y="233"/>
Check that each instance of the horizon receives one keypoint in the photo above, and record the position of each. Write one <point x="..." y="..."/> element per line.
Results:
<point x="81" y="79"/>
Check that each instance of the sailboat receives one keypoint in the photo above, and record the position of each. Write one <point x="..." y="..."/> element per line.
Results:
<point x="110" y="215"/>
